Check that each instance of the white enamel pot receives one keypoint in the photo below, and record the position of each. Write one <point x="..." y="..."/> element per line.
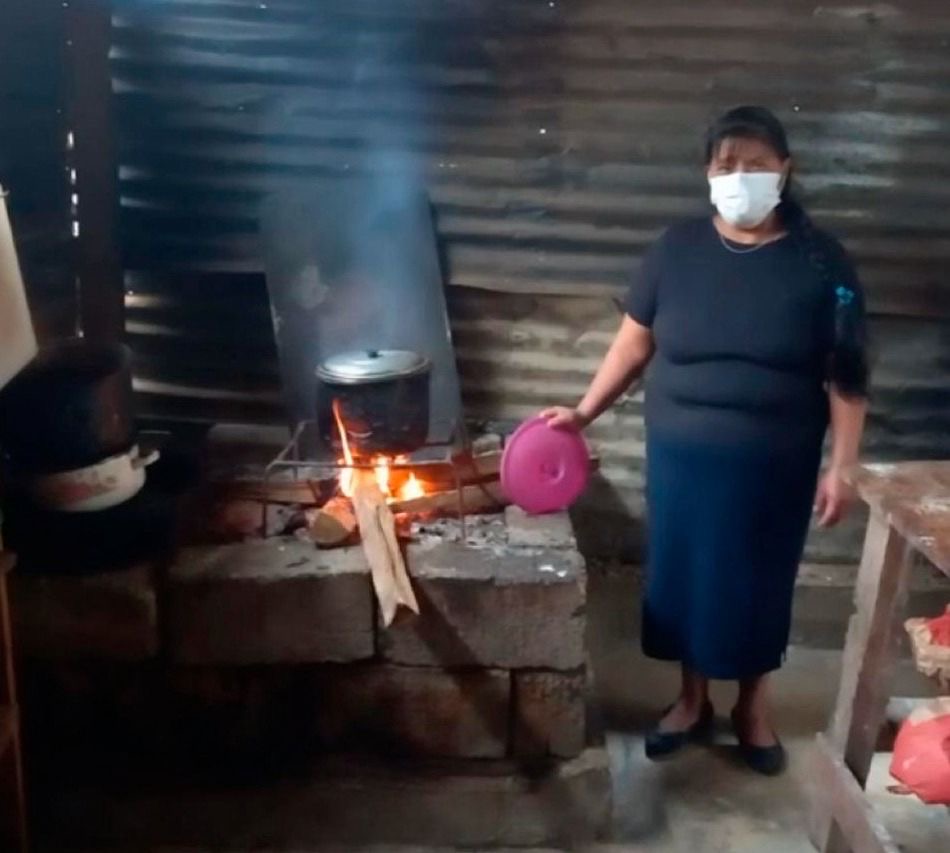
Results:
<point x="96" y="487"/>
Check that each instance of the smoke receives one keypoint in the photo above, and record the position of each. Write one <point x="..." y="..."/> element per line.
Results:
<point x="352" y="259"/>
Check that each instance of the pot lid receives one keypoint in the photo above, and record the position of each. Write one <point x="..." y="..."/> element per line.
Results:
<point x="544" y="469"/>
<point x="361" y="366"/>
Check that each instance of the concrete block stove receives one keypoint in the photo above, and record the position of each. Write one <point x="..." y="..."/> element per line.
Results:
<point x="259" y="691"/>
<point x="257" y="677"/>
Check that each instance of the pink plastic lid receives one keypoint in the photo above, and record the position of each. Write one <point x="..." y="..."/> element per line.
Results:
<point x="544" y="469"/>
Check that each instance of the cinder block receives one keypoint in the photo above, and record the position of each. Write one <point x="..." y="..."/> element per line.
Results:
<point x="414" y="710"/>
<point x="109" y="616"/>
<point x="549" y="714"/>
<point x="492" y="607"/>
<point x="552" y="530"/>
<point x="270" y="601"/>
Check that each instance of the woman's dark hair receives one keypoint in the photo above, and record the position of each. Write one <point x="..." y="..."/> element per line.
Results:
<point x="848" y="367"/>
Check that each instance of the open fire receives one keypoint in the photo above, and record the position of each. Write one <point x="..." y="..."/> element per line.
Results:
<point x="408" y="489"/>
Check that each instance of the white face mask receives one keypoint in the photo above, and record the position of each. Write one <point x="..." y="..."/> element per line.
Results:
<point x="745" y="199"/>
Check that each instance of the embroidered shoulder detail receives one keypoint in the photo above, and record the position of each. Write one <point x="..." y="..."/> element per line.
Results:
<point x="845" y="295"/>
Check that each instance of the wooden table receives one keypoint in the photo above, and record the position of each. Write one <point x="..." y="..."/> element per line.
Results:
<point x="910" y="511"/>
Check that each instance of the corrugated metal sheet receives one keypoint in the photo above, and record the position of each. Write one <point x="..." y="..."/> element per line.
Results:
<point x="33" y="155"/>
<point x="517" y="353"/>
<point x="556" y="139"/>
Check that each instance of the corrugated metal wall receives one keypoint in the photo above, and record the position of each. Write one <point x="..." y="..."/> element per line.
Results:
<point x="33" y="157"/>
<point x="557" y="138"/>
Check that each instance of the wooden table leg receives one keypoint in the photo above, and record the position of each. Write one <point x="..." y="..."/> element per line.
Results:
<point x="867" y="666"/>
<point x="854" y="815"/>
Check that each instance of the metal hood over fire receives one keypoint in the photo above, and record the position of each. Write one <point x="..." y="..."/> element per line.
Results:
<point x="352" y="265"/>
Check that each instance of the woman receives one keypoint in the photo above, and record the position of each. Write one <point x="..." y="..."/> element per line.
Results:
<point x="752" y="322"/>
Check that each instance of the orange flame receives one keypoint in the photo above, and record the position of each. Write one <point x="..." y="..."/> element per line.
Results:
<point x="348" y="474"/>
<point x="411" y="488"/>
<point x="381" y="470"/>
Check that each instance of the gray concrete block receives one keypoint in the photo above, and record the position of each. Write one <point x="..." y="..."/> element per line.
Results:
<point x="414" y="710"/>
<point x="549" y="714"/>
<point x="553" y="530"/>
<point x="111" y="616"/>
<point x="494" y="607"/>
<point x="270" y="601"/>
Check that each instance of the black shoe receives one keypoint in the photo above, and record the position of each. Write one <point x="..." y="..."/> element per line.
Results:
<point x="660" y="744"/>
<point x="766" y="760"/>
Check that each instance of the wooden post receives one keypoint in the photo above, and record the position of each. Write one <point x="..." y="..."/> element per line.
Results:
<point x="12" y="788"/>
<point x="867" y="664"/>
<point x="101" y="287"/>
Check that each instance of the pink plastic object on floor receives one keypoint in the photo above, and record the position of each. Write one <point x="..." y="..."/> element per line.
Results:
<point x="921" y="759"/>
<point x="543" y="469"/>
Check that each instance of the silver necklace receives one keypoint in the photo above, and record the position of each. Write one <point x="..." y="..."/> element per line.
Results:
<point x="749" y="251"/>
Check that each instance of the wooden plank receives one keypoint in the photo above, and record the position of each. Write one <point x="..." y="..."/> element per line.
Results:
<point x="860" y="827"/>
<point x="915" y="498"/>
<point x="378" y="537"/>
<point x="101" y="290"/>
<point x="870" y="650"/>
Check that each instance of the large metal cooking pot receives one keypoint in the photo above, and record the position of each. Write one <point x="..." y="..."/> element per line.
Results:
<point x="383" y="399"/>
<point x="71" y="407"/>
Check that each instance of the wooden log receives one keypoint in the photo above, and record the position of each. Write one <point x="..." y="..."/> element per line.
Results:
<point x="477" y="467"/>
<point x="481" y="469"/>
<point x="432" y="478"/>
<point x="333" y="523"/>
<point x="483" y="497"/>
<point x="488" y="442"/>
<point x="378" y="534"/>
<point x="472" y="469"/>
<point x="441" y="478"/>
<point x="484" y="467"/>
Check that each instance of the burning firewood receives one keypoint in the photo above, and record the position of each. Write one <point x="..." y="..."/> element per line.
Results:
<point x="483" y="497"/>
<point x="432" y="478"/>
<point x="378" y="534"/>
<point x="333" y="523"/>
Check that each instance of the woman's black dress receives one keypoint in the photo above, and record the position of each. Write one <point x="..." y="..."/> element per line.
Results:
<point x="736" y="412"/>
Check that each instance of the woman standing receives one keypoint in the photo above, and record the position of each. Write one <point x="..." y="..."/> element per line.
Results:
<point x="752" y="322"/>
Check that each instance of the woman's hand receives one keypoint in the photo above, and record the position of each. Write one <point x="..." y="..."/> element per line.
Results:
<point x="833" y="498"/>
<point x="562" y="417"/>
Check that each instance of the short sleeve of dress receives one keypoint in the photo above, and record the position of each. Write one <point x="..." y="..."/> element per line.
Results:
<point x="847" y="326"/>
<point x="642" y="297"/>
